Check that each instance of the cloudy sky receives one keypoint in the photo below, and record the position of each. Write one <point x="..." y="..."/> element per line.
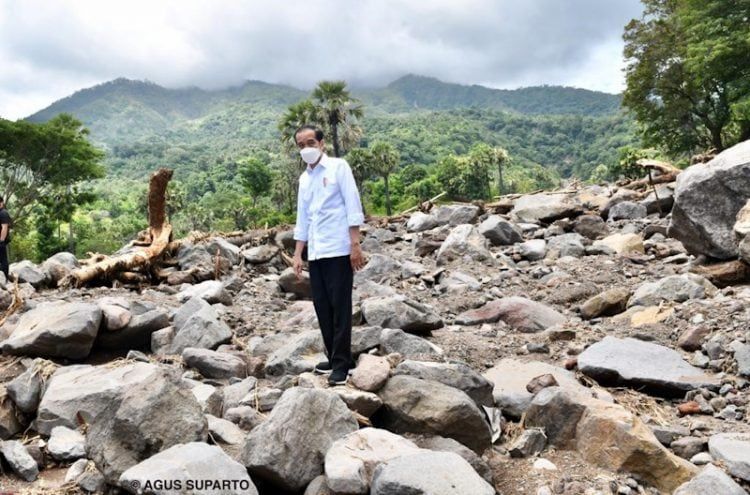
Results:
<point x="49" y="49"/>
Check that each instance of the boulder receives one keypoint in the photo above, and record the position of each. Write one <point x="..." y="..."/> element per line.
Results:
<point x="224" y="431"/>
<point x="359" y="401"/>
<point x="299" y="287"/>
<point x="351" y="461"/>
<point x="442" y="444"/>
<point x="191" y="256"/>
<point x="645" y="365"/>
<point x="618" y="197"/>
<point x="27" y="272"/>
<point x="409" y="346"/>
<point x="197" y="324"/>
<point x="733" y="450"/>
<point x="591" y="226"/>
<point x="26" y="388"/>
<point x="400" y="312"/>
<point x="464" y="243"/>
<point x="56" y="330"/>
<point x="710" y="480"/>
<point x="510" y="377"/>
<point x="190" y="468"/>
<point x="434" y="473"/>
<point x="19" y="459"/>
<point x="530" y="443"/>
<point x="499" y="231"/>
<point x="260" y="254"/>
<point x="148" y="418"/>
<point x="545" y="208"/>
<point x="677" y="288"/>
<point x="305" y="422"/>
<point x="456" y="214"/>
<point x="419" y="222"/>
<point x="300" y="353"/>
<point x="66" y="445"/>
<point x="233" y="394"/>
<point x="224" y="248"/>
<point x="567" y="245"/>
<point x="9" y="417"/>
<point x="707" y="199"/>
<point x="622" y="243"/>
<point x="661" y="202"/>
<point x="371" y="373"/>
<point x="378" y="268"/>
<point x="58" y="266"/>
<point x="137" y="333"/>
<point x="457" y="375"/>
<point x="627" y="210"/>
<point x="212" y="364"/>
<point x="87" y="391"/>
<point x="115" y="316"/>
<point x="458" y="282"/>
<point x="608" y="303"/>
<point x="533" y="250"/>
<point x="208" y="397"/>
<point x="519" y="313"/>
<point x="211" y="291"/>
<point x="413" y="405"/>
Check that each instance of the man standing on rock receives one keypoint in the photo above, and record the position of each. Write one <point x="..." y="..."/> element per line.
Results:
<point x="5" y="223"/>
<point x="329" y="213"/>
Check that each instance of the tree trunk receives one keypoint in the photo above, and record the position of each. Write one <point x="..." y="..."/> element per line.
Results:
<point x="716" y="139"/>
<point x="160" y="233"/>
<point x="335" y="137"/>
<point x="387" y="196"/>
<point x="500" y="185"/>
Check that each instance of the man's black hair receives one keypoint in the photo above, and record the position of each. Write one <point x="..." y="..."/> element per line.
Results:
<point x="307" y="127"/>
<point x="2" y="200"/>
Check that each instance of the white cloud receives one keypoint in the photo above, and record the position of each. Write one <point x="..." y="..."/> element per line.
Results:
<point x="49" y="49"/>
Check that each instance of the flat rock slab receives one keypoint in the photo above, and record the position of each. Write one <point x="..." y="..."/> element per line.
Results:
<point x="734" y="450"/>
<point x="56" y="330"/>
<point x="401" y="312"/>
<point x="433" y="473"/>
<point x="193" y="468"/>
<point x="510" y="377"/>
<point x="632" y="362"/>
<point x="522" y="314"/>
<point x="709" y="481"/>
<point x="456" y="375"/>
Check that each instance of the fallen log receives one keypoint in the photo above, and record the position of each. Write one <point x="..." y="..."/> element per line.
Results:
<point x="137" y="258"/>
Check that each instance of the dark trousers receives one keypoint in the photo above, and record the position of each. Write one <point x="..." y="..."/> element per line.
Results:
<point x="331" y="281"/>
<point x="4" y="259"/>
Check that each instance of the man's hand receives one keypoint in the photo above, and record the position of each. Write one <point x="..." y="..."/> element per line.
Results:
<point x="297" y="264"/>
<point x="357" y="258"/>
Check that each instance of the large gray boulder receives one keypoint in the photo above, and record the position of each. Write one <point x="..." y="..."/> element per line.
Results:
<point x="456" y="214"/>
<point x="433" y="473"/>
<point x="213" y="364"/>
<point x="186" y="466"/>
<point x="65" y="444"/>
<point x="633" y="362"/>
<point x="408" y="345"/>
<point x="499" y="231"/>
<point x="149" y="417"/>
<point x="26" y="388"/>
<point x="464" y="243"/>
<point x="87" y="391"/>
<point x="58" y="266"/>
<point x="289" y="447"/>
<point x="211" y="291"/>
<point x="733" y="449"/>
<point x="400" y="312"/>
<point x="413" y="405"/>
<point x="707" y="199"/>
<point x="224" y="248"/>
<point x="298" y="354"/>
<point x="456" y="375"/>
<point x="27" y="272"/>
<point x="545" y="208"/>
<point x="711" y="480"/>
<point x="19" y="459"/>
<point x="300" y="287"/>
<point x="197" y="324"/>
<point x="419" y="222"/>
<point x="627" y="210"/>
<point x="674" y="288"/>
<point x="567" y="245"/>
<point x="378" y="268"/>
<point x="351" y="461"/>
<point x="137" y="333"/>
<point x="56" y="330"/>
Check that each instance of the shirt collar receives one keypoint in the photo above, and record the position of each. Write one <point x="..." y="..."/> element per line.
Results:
<point x="322" y="163"/>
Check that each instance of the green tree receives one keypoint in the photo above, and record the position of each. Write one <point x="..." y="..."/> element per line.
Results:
<point x="491" y="158"/>
<point x="256" y="177"/>
<point x="42" y="160"/>
<point x="385" y="161"/>
<point x="302" y="113"/>
<point x="340" y="112"/>
<point x="688" y="73"/>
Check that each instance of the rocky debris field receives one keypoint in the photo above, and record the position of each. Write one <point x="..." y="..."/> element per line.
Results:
<point x="573" y="342"/>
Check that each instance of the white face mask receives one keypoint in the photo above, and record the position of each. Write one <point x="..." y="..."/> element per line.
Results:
<point x="310" y="155"/>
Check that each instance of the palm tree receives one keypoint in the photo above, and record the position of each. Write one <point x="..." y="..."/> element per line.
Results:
<point x="340" y="112"/>
<point x="385" y="161"/>
<point x="297" y="115"/>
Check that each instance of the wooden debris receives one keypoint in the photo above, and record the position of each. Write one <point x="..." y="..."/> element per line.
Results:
<point x="724" y="274"/>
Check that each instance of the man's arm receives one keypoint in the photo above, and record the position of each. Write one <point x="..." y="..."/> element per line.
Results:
<point x="354" y="215"/>
<point x="4" y="232"/>
<point x="300" y="231"/>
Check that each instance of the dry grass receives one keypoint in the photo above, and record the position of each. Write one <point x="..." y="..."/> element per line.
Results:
<point x="642" y="405"/>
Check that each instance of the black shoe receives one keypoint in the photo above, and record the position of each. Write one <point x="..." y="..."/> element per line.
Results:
<point x="338" y="377"/>
<point x="323" y="368"/>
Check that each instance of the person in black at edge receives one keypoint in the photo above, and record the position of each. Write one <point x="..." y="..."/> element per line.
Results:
<point x="5" y="223"/>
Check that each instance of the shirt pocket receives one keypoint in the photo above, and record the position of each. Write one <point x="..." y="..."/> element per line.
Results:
<point x="330" y="184"/>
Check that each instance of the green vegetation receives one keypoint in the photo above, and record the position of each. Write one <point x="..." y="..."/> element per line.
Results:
<point x="237" y="166"/>
<point x="688" y="74"/>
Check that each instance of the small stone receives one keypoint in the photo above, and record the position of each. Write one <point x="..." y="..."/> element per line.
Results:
<point x="540" y="382"/>
<point x="543" y="464"/>
<point x="701" y="458"/>
<point x="530" y="443"/>
<point x="66" y="444"/>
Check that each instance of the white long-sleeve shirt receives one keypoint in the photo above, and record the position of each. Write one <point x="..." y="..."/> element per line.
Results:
<point x="328" y="204"/>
